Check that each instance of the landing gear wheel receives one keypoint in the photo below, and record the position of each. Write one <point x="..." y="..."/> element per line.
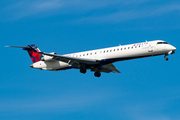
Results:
<point x="97" y="74"/>
<point x="82" y="70"/>
<point x="166" y="58"/>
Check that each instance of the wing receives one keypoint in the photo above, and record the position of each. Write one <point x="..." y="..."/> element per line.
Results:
<point x="77" y="62"/>
<point x="109" y="68"/>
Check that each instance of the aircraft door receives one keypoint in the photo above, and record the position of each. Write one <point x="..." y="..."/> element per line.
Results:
<point x="150" y="48"/>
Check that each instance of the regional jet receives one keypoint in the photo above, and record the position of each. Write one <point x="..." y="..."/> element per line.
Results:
<point x="100" y="60"/>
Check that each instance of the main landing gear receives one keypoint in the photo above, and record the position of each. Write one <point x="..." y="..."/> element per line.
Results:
<point x="83" y="70"/>
<point x="97" y="74"/>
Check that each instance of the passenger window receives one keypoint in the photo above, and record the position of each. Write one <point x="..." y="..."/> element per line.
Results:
<point x="124" y="48"/>
<point x="117" y="49"/>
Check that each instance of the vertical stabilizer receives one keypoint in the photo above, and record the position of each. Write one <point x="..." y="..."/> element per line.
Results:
<point x="35" y="57"/>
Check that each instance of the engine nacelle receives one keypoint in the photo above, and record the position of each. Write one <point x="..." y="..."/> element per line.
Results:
<point x="48" y="58"/>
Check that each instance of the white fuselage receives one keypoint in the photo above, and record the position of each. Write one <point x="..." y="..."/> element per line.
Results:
<point x="112" y="54"/>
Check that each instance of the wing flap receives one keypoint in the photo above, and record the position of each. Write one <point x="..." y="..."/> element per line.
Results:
<point x="110" y="68"/>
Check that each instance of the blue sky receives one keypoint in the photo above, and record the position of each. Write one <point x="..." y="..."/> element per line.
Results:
<point x="147" y="89"/>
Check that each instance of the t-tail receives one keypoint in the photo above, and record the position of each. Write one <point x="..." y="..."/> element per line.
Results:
<point x="35" y="57"/>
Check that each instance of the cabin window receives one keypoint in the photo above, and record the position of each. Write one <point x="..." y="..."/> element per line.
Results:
<point x="132" y="47"/>
<point x="117" y="49"/>
<point x="124" y="48"/>
<point x="110" y="50"/>
<point x="114" y="49"/>
<point x="104" y="51"/>
<point x="107" y="50"/>
<point x="95" y="52"/>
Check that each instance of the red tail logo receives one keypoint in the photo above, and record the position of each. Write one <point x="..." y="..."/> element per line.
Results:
<point x="35" y="57"/>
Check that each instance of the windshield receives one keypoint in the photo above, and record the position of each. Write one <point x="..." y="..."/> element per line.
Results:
<point x="162" y="43"/>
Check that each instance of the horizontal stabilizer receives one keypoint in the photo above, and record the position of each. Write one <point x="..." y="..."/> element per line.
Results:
<point x="17" y="46"/>
<point x="32" y="51"/>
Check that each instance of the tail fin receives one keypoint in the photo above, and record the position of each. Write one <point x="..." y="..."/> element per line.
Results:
<point x="35" y="57"/>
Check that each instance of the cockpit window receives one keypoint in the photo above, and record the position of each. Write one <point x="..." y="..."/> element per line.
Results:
<point x="162" y="43"/>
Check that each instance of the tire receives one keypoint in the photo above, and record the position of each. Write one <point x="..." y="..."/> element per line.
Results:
<point x="97" y="74"/>
<point x="83" y="70"/>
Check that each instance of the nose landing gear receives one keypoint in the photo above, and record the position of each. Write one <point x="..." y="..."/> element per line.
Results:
<point x="165" y="57"/>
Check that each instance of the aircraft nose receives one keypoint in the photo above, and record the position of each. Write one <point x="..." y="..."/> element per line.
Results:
<point x="31" y="65"/>
<point x="173" y="48"/>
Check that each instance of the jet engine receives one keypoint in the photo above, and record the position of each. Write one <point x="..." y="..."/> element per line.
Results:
<point x="48" y="58"/>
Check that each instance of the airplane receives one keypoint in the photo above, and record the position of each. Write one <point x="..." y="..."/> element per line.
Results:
<point x="99" y="60"/>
